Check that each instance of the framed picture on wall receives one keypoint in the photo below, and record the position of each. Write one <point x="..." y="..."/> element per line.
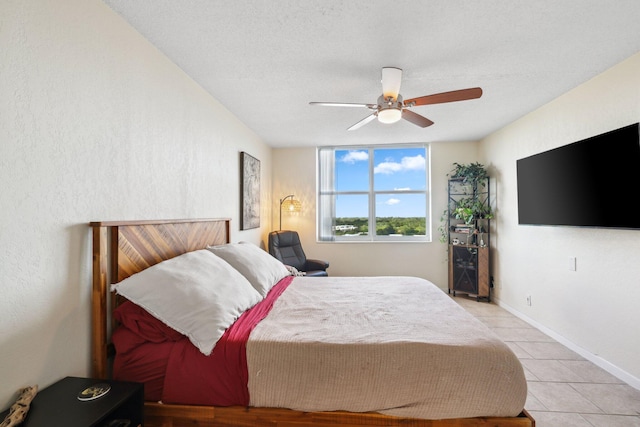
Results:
<point x="250" y="191"/>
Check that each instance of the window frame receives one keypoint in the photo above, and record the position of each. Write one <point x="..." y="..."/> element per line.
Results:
<point x="326" y="164"/>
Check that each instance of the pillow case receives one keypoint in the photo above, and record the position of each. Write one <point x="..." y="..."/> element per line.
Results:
<point x="261" y="269"/>
<point x="197" y="294"/>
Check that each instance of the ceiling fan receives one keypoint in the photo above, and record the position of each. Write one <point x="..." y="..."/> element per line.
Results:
<point x="391" y="107"/>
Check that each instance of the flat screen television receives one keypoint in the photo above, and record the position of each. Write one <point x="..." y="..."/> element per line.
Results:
<point x="589" y="183"/>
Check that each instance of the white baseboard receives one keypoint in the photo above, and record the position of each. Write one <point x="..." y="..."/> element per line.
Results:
<point x="597" y="360"/>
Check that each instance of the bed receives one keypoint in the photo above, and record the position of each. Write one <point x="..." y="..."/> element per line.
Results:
<point x="122" y="249"/>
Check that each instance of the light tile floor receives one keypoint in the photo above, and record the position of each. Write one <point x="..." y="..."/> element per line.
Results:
<point x="565" y="390"/>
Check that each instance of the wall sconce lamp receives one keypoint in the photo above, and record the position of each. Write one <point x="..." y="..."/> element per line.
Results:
<point x="290" y="205"/>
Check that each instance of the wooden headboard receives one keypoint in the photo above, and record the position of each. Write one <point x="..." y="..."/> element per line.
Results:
<point x="123" y="248"/>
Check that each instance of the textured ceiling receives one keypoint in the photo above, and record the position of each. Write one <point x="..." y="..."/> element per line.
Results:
<point x="266" y="60"/>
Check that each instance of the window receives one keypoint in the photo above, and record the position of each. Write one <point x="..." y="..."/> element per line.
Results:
<point x="374" y="193"/>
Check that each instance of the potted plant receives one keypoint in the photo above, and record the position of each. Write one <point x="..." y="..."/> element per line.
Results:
<point x="472" y="173"/>
<point x="471" y="209"/>
<point x="468" y="209"/>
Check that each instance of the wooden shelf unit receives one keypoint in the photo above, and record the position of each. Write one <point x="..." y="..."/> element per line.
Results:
<point x="469" y="243"/>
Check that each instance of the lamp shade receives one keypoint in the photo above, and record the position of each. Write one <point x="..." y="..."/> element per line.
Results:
<point x="289" y="205"/>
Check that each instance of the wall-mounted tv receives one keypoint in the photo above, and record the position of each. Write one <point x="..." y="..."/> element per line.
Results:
<point x="589" y="183"/>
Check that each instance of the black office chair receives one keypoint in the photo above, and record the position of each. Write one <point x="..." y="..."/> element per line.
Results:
<point x="285" y="246"/>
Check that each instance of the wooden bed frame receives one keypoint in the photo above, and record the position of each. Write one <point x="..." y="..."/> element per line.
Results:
<point x="123" y="248"/>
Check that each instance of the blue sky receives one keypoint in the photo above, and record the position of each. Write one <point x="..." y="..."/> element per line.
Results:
<point x="394" y="169"/>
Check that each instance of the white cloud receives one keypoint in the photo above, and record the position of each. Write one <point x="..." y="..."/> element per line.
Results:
<point x="414" y="163"/>
<point x="388" y="168"/>
<point x="406" y="164"/>
<point x="355" y="156"/>
<point x="402" y="189"/>
<point x="392" y="202"/>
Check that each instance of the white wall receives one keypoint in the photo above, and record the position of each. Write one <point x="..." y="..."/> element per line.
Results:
<point x="95" y="124"/>
<point x="595" y="308"/>
<point x="294" y="172"/>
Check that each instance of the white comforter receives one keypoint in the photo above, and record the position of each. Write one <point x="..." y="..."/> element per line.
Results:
<point x="394" y="345"/>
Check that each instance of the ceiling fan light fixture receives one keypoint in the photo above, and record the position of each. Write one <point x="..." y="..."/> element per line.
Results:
<point x="389" y="115"/>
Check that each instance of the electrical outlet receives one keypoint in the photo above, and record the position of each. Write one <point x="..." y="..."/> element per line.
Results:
<point x="572" y="263"/>
<point x="529" y="300"/>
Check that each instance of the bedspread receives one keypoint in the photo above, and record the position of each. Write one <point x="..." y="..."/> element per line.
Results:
<point x="395" y="345"/>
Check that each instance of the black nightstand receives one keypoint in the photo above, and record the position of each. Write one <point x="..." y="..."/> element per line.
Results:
<point x="58" y="405"/>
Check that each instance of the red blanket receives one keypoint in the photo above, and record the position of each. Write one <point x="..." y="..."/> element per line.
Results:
<point x="174" y="370"/>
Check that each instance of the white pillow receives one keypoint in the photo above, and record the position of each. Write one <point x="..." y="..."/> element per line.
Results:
<point x="197" y="294"/>
<point x="261" y="269"/>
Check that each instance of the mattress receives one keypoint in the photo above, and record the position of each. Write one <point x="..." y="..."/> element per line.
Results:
<point x="394" y="345"/>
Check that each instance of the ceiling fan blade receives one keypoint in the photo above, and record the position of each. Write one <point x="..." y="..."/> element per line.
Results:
<point x="416" y="119"/>
<point x="363" y="122"/>
<point x="440" y="98"/>
<point x="344" y="104"/>
<point x="391" y="80"/>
